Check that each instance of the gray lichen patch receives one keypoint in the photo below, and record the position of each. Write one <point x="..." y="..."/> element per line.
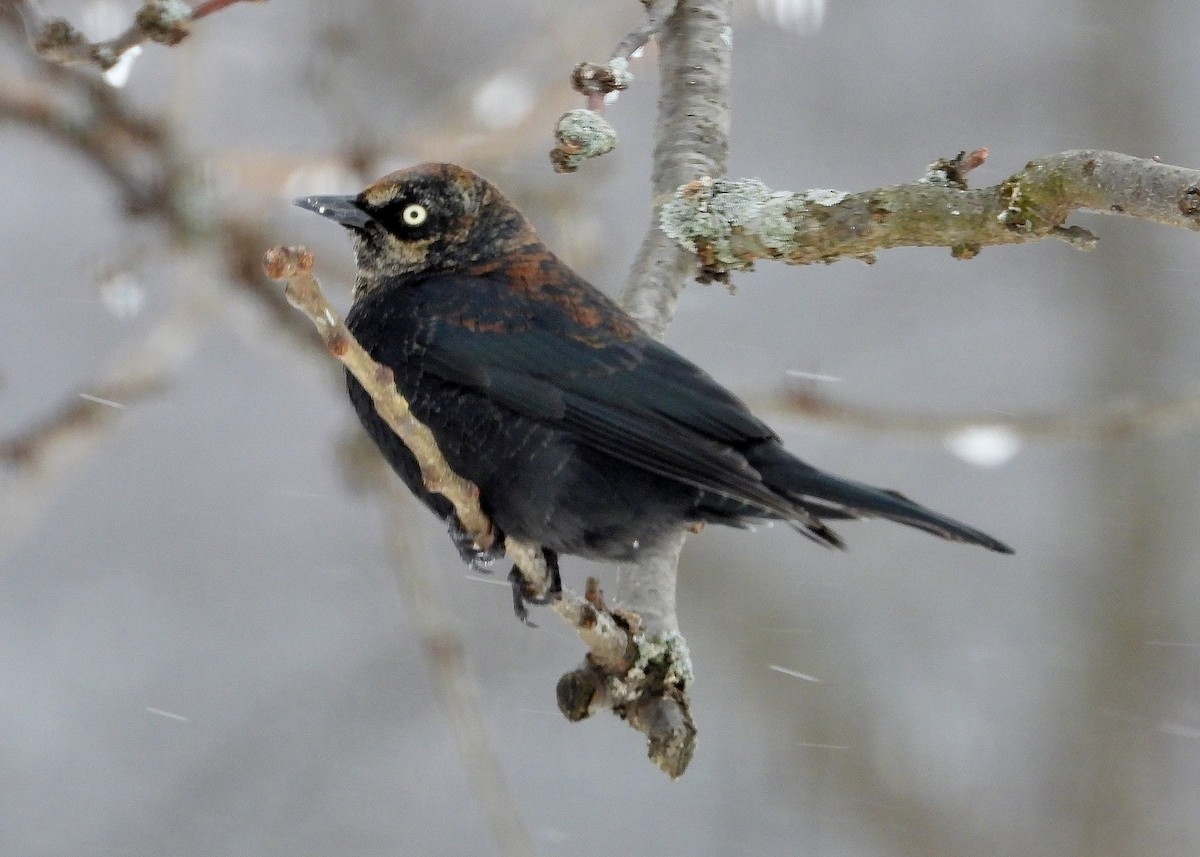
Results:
<point x="663" y="659"/>
<point x="669" y="649"/>
<point x="721" y="219"/>
<point x="579" y="135"/>
<point x="824" y="196"/>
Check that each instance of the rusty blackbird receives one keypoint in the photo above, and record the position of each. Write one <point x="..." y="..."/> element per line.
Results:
<point x="583" y="434"/>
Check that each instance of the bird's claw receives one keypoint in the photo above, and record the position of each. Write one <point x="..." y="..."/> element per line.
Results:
<point x="524" y="593"/>
<point x="480" y="560"/>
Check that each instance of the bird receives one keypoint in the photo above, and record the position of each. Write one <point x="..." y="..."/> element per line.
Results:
<point x="584" y="435"/>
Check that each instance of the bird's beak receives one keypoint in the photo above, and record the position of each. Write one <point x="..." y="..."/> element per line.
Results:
<point x="339" y="209"/>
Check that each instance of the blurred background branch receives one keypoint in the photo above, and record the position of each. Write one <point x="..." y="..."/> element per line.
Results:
<point x="167" y="22"/>
<point x="1111" y="422"/>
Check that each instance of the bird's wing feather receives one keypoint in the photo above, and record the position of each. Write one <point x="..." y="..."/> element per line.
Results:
<point x="630" y="397"/>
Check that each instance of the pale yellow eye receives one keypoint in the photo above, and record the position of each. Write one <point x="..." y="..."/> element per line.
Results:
<point x="414" y="214"/>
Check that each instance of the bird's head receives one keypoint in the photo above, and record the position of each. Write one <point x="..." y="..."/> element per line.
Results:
<point x="431" y="217"/>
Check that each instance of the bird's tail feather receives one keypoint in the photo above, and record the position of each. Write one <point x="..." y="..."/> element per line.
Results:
<point x="826" y="496"/>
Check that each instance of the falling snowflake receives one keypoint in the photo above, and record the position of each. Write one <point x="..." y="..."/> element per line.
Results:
<point x="984" y="446"/>
<point x="503" y="101"/>
<point x="122" y="294"/>
<point x="103" y="19"/>
<point x="801" y="16"/>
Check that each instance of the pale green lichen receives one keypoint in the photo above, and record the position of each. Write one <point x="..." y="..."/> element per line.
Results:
<point x="581" y="134"/>
<point x="670" y="649"/>
<point x="1016" y="213"/>
<point x="622" y="76"/>
<point x="704" y="216"/>
<point x="776" y="226"/>
<point x="824" y="196"/>
<point x="665" y="655"/>
<point x="164" y="21"/>
<point x="588" y="130"/>
<point x="687" y="216"/>
<point x="935" y="175"/>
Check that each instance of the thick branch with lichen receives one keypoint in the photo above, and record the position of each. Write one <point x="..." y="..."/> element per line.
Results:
<point x="731" y="224"/>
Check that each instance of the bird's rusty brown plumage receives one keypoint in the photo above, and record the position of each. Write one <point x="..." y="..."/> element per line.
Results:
<point x="583" y="434"/>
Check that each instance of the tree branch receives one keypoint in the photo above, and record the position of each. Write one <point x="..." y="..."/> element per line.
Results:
<point x="730" y="224"/>
<point x="167" y="22"/>
<point x="140" y="157"/>
<point x="1106" y="423"/>
<point x="457" y="692"/>
<point x="294" y="264"/>
<point x="134" y="153"/>
<point x="691" y="140"/>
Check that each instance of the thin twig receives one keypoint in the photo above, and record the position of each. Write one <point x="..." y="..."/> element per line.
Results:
<point x="584" y="133"/>
<point x="657" y="12"/>
<point x="207" y="7"/>
<point x="294" y="264"/>
<point x="167" y="22"/>
<point x="599" y="79"/>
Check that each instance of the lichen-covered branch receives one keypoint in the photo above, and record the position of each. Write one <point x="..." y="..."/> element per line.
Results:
<point x="638" y="665"/>
<point x="167" y="22"/>
<point x="730" y="224"/>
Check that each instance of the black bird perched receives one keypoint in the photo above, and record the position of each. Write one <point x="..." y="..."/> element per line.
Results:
<point x="583" y="434"/>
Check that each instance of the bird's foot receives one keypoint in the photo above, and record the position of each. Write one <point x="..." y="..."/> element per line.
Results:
<point x="478" y="559"/>
<point x="524" y="592"/>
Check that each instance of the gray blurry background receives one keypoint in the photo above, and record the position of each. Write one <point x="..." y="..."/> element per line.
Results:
<point x="203" y="650"/>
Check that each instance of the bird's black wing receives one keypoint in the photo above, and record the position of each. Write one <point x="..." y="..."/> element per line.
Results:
<point x="625" y="395"/>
